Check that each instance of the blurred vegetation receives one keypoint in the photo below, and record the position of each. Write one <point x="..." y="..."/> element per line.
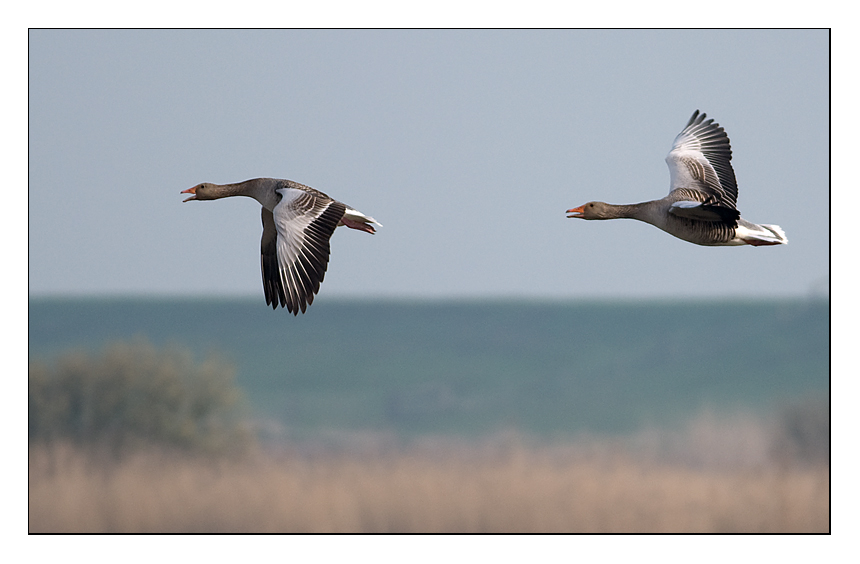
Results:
<point x="133" y="395"/>
<point x="498" y="486"/>
<point x="802" y="433"/>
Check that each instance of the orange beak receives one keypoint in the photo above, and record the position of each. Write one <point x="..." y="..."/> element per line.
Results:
<point x="577" y="212"/>
<point x="190" y="191"/>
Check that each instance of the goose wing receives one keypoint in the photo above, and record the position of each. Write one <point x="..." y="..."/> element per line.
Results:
<point x="700" y="169"/>
<point x="295" y="246"/>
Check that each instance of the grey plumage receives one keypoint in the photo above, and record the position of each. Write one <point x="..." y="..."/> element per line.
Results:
<point x="298" y="222"/>
<point x="701" y="206"/>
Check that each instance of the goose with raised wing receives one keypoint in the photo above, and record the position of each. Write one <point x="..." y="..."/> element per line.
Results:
<point x="702" y="203"/>
<point x="298" y="222"/>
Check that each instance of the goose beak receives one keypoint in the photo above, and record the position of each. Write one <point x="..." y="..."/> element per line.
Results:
<point x="577" y="212"/>
<point x="190" y="191"/>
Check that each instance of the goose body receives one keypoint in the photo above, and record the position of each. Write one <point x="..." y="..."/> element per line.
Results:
<point x="298" y="222"/>
<point x="702" y="203"/>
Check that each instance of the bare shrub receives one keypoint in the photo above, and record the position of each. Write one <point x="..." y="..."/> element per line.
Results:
<point x="132" y="394"/>
<point x="802" y="432"/>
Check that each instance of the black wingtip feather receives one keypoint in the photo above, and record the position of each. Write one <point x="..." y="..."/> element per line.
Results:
<point x="295" y="290"/>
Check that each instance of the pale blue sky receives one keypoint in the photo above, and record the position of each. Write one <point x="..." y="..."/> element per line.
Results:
<point x="467" y="145"/>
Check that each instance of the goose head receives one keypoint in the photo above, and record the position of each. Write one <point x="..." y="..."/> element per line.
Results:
<point x="204" y="191"/>
<point x="593" y="210"/>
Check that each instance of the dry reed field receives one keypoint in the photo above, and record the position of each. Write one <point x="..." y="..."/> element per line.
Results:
<point x="139" y="440"/>
<point x="512" y="488"/>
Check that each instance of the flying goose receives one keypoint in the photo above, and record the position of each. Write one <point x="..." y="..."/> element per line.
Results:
<point x="701" y="205"/>
<point x="298" y="222"/>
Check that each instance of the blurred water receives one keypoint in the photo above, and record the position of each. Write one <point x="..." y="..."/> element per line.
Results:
<point x="472" y="367"/>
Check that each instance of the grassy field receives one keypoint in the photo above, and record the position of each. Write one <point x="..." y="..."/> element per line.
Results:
<point x="493" y="487"/>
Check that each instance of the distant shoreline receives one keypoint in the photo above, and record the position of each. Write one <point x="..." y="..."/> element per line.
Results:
<point x="431" y="300"/>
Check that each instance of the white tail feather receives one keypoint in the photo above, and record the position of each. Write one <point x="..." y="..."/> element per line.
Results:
<point x="780" y="234"/>
<point x="354" y="219"/>
<point x="757" y="235"/>
<point x="356" y="215"/>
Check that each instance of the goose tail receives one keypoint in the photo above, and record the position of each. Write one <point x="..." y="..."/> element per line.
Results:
<point x="760" y="235"/>
<point x="354" y="219"/>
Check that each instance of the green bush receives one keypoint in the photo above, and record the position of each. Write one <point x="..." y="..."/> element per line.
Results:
<point x="131" y="395"/>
